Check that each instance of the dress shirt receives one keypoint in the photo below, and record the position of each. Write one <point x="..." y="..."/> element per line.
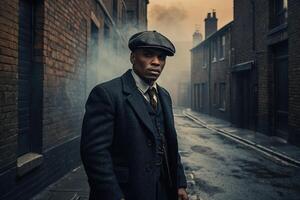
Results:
<point x="143" y="87"/>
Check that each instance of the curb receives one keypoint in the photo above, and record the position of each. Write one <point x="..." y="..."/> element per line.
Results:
<point x="267" y="151"/>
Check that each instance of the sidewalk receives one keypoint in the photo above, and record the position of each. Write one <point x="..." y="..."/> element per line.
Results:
<point x="73" y="186"/>
<point x="270" y="146"/>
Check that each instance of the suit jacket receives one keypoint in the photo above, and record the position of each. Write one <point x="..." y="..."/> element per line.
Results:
<point x="118" y="142"/>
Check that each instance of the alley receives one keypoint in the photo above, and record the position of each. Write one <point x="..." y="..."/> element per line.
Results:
<point x="219" y="168"/>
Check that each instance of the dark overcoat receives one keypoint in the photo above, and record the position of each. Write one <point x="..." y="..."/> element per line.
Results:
<point x="118" y="142"/>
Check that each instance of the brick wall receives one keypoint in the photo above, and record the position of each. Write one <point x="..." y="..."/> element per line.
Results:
<point x="294" y="70"/>
<point x="109" y="6"/>
<point x="209" y="72"/>
<point x="8" y="82"/>
<point x="220" y="73"/>
<point x="244" y="81"/>
<point x="263" y="66"/>
<point x="199" y="75"/>
<point x="242" y="31"/>
<point x="66" y="28"/>
<point x="61" y="62"/>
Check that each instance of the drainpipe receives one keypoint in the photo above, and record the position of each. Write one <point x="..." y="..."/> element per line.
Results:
<point x="254" y="65"/>
<point x="209" y="77"/>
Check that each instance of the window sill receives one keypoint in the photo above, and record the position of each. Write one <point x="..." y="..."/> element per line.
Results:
<point x="204" y="67"/>
<point x="221" y="59"/>
<point x="28" y="162"/>
<point x="222" y="109"/>
<point x="279" y="28"/>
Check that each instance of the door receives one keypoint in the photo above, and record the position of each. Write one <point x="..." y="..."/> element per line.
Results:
<point x="281" y="90"/>
<point x="246" y="99"/>
<point x="241" y="98"/>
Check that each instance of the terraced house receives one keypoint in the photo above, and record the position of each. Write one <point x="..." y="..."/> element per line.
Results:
<point x="261" y="87"/>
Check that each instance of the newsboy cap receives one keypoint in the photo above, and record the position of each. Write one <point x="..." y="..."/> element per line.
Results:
<point x="151" y="39"/>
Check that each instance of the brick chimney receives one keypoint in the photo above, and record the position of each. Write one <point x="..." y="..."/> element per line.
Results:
<point x="197" y="38"/>
<point x="211" y="24"/>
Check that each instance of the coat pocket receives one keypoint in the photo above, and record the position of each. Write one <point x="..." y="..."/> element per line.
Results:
<point x="122" y="174"/>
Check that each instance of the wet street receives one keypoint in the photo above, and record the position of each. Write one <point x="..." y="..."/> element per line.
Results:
<point x="219" y="168"/>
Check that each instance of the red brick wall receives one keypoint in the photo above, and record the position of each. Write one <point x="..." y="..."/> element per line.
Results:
<point x="8" y="81"/>
<point x="60" y="65"/>
<point x="66" y="27"/>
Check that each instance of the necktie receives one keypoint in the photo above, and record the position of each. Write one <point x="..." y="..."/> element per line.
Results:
<point x="152" y="93"/>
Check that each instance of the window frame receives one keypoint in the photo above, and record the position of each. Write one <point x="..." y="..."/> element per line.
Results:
<point x="222" y="47"/>
<point x="222" y="96"/>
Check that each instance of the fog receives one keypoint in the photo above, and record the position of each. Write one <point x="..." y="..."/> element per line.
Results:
<point x="178" y="19"/>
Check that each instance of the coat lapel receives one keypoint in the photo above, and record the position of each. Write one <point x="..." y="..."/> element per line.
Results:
<point x="167" y="108"/>
<point x="135" y="101"/>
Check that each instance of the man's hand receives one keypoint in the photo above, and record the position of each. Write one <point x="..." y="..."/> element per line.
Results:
<point x="182" y="194"/>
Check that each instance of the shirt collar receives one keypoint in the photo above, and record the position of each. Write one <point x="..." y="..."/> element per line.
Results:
<point x="141" y="84"/>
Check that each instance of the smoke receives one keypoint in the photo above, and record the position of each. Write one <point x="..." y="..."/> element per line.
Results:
<point x="108" y="56"/>
<point x="170" y="20"/>
<point x="168" y="15"/>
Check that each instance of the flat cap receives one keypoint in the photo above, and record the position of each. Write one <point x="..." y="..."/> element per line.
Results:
<point x="151" y="39"/>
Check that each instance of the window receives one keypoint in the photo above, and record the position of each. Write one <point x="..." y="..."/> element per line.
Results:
<point x="93" y="57"/>
<point x="130" y="15"/>
<point x="199" y="97"/>
<point x="30" y="83"/>
<point x="280" y="12"/>
<point x="115" y="9"/>
<point x="222" y="47"/>
<point x="222" y="96"/>
<point x="203" y="94"/>
<point x="194" y="97"/>
<point x="205" y="56"/>
<point x="215" y="94"/>
<point x="214" y="50"/>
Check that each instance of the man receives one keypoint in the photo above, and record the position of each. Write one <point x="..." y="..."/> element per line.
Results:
<point x="129" y="147"/>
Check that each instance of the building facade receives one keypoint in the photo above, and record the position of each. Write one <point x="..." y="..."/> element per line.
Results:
<point x="210" y="73"/>
<point x="49" y="59"/>
<point x="244" y="74"/>
<point x="262" y="69"/>
<point x="269" y="65"/>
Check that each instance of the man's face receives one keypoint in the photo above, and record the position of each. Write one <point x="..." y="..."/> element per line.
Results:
<point x="148" y="63"/>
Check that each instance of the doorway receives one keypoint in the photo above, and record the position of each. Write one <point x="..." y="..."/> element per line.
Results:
<point x="281" y="89"/>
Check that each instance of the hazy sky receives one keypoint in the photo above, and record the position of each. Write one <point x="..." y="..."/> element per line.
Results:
<point x="178" y="18"/>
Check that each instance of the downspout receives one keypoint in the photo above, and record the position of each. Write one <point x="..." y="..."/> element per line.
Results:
<point x="209" y="78"/>
<point x="254" y="66"/>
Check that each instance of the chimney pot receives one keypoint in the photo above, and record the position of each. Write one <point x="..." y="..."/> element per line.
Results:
<point x="211" y="23"/>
